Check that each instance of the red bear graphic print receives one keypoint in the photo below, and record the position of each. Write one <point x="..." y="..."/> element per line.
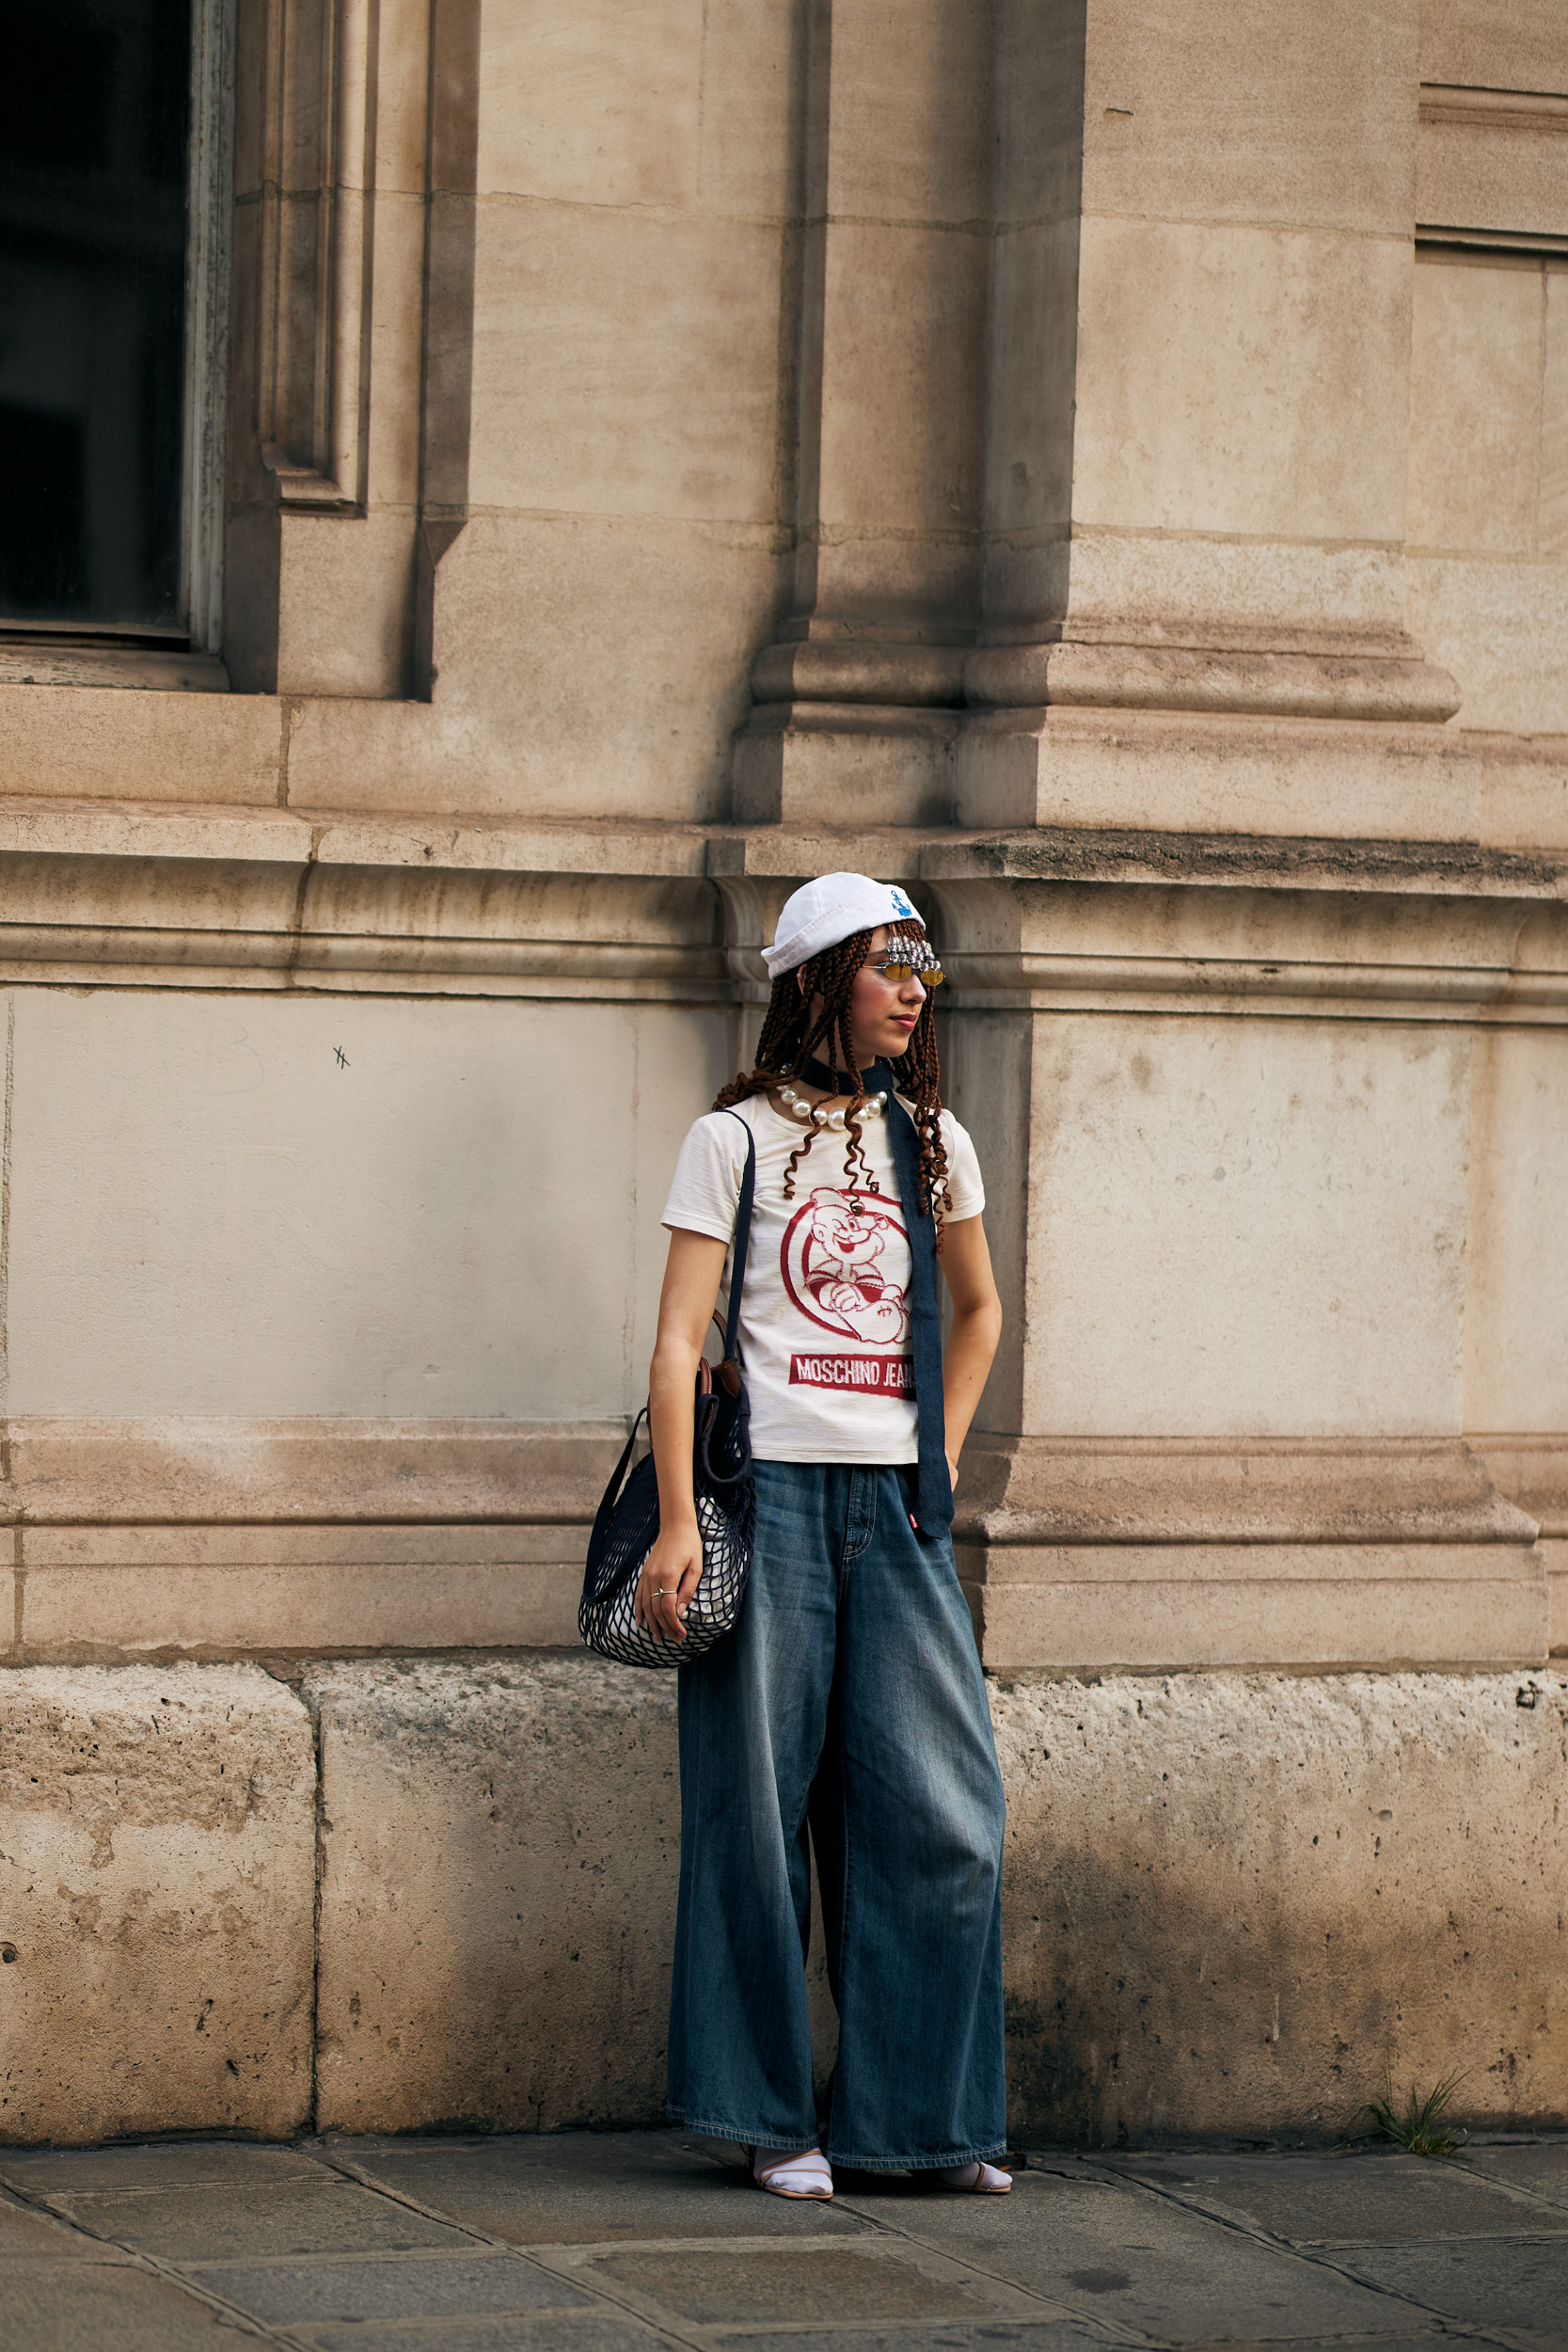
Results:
<point x="824" y="1322"/>
<point x="845" y="1266"/>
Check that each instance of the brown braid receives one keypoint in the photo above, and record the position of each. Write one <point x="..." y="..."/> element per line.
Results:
<point x="790" y="1038"/>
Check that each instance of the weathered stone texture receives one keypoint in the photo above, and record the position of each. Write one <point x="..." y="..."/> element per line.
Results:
<point x="1245" y="1904"/>
<point x="498" y="1894"/>
<point x="500" y="1849"/>
<point x="157" y="1835"/>
<point x="1235" y="1904"/>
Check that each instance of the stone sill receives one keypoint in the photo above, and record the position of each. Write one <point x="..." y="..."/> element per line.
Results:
<point x="45" y="660"/>
<point x="136" y="895"/>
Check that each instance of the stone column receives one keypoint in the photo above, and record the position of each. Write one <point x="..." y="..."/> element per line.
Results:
<point x="1199" y="419"/>
<point x="859" y="694"/>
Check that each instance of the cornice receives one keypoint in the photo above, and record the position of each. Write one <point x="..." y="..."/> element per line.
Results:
<point x="124" y="895"/>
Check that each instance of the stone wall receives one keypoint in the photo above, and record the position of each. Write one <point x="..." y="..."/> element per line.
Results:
<point x="1234" y="1905"/>
<point x="1099" y="464"/>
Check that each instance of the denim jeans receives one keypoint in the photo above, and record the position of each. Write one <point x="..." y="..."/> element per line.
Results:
<point x="849" y="1697"/>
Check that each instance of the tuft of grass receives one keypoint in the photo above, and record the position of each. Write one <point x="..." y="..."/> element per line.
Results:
<point x="1420" y="2127"/>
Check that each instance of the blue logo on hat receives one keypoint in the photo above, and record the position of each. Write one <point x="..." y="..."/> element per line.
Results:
<point x="901" y="904"/>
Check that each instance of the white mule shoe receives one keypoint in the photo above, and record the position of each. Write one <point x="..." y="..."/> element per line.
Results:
<point x="804" y="2175"/>
<point x="977" y="2180"/>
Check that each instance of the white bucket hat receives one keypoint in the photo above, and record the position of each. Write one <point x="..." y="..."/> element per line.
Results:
<point x="822" y="912"/>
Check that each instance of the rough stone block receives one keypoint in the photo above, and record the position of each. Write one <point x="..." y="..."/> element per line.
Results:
<point x="1246" y="1903"/>
<point x="497" y="1892"/>
<point x="1235" y="1903"/>
<point x="158" y="1833"/>
<point x="497" y="1904"/>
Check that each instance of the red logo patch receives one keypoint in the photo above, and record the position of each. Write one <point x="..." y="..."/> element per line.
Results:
<point x="872" y="1375"/>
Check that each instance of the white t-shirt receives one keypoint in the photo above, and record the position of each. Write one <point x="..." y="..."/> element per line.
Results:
<point x="825" y="1318"/>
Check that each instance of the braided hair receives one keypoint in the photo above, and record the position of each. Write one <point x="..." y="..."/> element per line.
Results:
<point x="790" y="1038"/>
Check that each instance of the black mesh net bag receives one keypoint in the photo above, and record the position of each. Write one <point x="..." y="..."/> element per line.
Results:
<point x="723" y="1489"/>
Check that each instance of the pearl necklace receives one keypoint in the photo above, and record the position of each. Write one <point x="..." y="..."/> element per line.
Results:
<point x="818" y="1115"/>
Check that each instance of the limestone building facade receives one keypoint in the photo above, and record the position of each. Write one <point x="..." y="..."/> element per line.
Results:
<point x="1101" y="465"/>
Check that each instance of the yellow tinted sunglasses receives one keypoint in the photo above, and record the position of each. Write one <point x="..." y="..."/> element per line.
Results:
<point x="898" y="969"/>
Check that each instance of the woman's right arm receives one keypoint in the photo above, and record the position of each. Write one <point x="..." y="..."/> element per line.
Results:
<point x="692" y="1274"/>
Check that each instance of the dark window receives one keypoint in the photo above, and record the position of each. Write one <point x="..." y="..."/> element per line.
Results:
<point x="94" y="113"/>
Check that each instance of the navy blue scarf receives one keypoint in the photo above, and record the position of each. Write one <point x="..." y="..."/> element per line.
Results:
<point x="934" y="1496"/>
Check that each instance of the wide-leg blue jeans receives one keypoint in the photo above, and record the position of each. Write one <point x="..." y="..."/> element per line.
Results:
<point x="849" y="1697"/>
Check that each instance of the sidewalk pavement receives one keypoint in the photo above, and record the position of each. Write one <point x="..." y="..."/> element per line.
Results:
<point x="601" y="2242"/>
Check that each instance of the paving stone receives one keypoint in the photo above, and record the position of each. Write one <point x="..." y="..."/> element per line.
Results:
<point x="561" y="2331"/>
<point x="581" y="2188"/>
<point x="826" y="2282"/>
<point x="1515" y="2283"/>
<point x="1118" y="2253"/>
<point x="1335" y="2200"/>
<point x="401" y="2286"/>
<point x="1543" y="2169"/>
<point x="988" y="2335"/>
<point x="168" y="2164"/>
<point x="24" y="2234"/>
<point x="1425" y="2342"/>
<point x="207" y="2224"/>
<point x="100" y="2307"/>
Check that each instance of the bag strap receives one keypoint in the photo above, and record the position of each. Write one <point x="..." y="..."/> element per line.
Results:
<point x="611" y="1496"/>
<point x="742" y="1241"/>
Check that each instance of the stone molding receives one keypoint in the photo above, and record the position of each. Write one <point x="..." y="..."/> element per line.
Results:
<point x="1191" y="1490"/>
<point x="1175" y="677"/>
<point x="318" y="175"/>
<point x="1083" y="1553"/>
<point x="1533" y="1468"/>
<point x="846" y="670"/>
<point x="1093" y="673"/>
<point x="1493" y="109"/>
<point x="255" y="900"/>
<point x="190" y="1537"/>
<point x="224" y="1469"/>
<point x="234" y="1469"/>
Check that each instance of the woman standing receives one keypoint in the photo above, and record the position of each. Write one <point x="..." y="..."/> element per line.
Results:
<point x="849" y="1697"/>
